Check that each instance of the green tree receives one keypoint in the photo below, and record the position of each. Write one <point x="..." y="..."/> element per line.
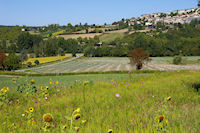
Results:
<point x="89" y="51"/>
<point x="12" y="62"/>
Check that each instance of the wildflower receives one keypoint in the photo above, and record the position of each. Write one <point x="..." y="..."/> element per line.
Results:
<point x="47" y="117"/>
<point x="78" y="110"/>
<point x="77" y="128"/>
<point x="31" y="109"/>
<point x="161" y="118"/>
<point x="169" y="98"/>
<point x="110" y="131"/>
<point x="64" y="127"/>
<point x="4" y="89"/>
<point x="23" y="115"/>
<point x="11" y="101"/>
<point x="166" y="121"/>
<point x="57" y="82"/>
<point x="117" y="95"/>
<point x="83" y="122"/>
<point x="32" y="81"/>
<point x="77" y="116"/>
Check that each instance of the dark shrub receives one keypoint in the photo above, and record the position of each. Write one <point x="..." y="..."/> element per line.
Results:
<point x="37" y="62"/>
<point x="177" y="60"/>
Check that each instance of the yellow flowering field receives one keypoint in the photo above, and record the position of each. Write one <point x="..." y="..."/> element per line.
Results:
<point x="45" y="59"/>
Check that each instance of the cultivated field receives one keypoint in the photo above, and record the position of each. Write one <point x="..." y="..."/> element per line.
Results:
<point x="91" y="35"/>
<point x="75" y="36"/>
<point x="46" y="59"/>
<point x="103" y="64"/>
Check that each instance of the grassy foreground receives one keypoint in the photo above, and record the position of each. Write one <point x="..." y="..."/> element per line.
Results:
<point x="160" y="102"/>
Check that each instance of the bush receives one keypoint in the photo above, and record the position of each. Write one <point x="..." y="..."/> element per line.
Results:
<point x="37" y="62"/>
<point x="177" y="60"/>
<point x="13" y="62"/>
<point x="138" y="57"/>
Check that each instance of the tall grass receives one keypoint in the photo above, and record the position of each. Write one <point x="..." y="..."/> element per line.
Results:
<point x="134" y="104"/>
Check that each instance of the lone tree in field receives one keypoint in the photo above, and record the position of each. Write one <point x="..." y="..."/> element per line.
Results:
<point x="2" y="59"/>
<point x="138" y="57"/>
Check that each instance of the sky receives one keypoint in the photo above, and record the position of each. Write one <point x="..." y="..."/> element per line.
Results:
<point x="62" y="12"/>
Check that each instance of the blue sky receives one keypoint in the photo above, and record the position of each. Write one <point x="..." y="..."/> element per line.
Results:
<point x="44" y="12"/>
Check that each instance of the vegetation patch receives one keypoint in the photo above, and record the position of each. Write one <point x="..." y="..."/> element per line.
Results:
<point x="145" y="103"/>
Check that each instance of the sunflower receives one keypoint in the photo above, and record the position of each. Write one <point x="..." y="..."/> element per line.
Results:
<point x="47" y="117"/>
<point x="160" y="119"/>
<point x="31" y="109"/>
<point x="110" y="131"/>
<point x="77" y="116"/>
<point x="64" y="127"/>
<point x="169" y="98"/>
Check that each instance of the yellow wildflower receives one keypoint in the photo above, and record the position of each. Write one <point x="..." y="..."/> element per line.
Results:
<point x="31" y="109"/>
<point x="4" y="89"/>
<point x="169" y="98"/>
<point x="110" y="131"/>
<point x="77" y="116"/>
<point x="64" y="127"/>
<point x="57" y="82"/>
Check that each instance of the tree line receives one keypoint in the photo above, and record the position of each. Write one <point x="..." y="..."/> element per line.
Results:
<point x="184" y="40"/>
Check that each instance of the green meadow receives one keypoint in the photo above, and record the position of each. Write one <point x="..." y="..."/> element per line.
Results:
<point x="117" y="103"/>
